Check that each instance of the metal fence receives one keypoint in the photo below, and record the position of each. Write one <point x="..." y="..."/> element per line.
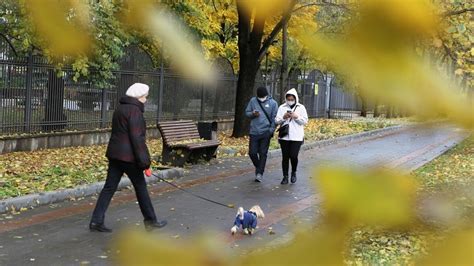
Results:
<point x="34" y="99"/>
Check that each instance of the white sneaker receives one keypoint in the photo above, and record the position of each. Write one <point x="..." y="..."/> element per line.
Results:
<point x="258" y="178"/>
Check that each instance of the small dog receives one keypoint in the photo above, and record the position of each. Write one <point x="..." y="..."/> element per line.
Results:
<point x="247" y="220"/>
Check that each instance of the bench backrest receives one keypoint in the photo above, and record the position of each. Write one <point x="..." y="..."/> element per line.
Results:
<point x="176" y="131"/>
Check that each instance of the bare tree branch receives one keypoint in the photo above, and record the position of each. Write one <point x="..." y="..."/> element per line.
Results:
<point x="9" y="43"/>
<point x="457" y="12"/>
<point x="214" y="5"/>
<point x="322" y="3"/>
<point x="448" y="51"/>
<point x="271" y="37"/>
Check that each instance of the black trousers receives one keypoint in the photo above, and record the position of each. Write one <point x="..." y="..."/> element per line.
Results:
<point x="114" y="174"/>
<point x="258" y="150"/>
<point x="290" y="150"/>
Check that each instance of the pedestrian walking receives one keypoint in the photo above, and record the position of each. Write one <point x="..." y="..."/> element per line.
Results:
<point x="292" y="117"/>
<point x="261" y="110"/>
<point x="127" y="153"/>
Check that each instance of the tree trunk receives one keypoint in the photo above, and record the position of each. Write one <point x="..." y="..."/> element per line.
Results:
<point x="54" y="119"/>
<point x="376" y="108"/>
<point x="389" y="111"/>
<point x="363" y="111"/>
<point x="245" y="91"/>
<point x="251" y="51"/>
<point x="249" y="47"/>
<point x="284" y="64"/>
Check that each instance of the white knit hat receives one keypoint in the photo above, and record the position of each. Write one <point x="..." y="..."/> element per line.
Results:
<point x="137" y="90"/>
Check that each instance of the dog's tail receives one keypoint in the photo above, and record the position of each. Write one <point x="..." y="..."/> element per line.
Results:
<point x="257" y="210"/>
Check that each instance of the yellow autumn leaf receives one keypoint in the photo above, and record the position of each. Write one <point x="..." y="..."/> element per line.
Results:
<point x="263" y="8"/>
<point x="171" y="35"/>
<point x="140" y="248"/>
<point x="377" y="56"/>
<point x="375" y="197"/>
<point x="61" y="34"/>
<point x="322" y="246"/>
<point x="456" y="250"/>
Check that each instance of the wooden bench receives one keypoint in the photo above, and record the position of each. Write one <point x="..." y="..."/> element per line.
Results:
<point x="182" y="143"/>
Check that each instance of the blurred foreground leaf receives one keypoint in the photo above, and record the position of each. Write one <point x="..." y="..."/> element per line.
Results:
<point x="62" y="26"/>
<point x="140" y="248"/>
<point x="456" y="250"/>
<point x="378" y="56"/>
<point x="169" y="34"/>
<point x="374" y="198"/>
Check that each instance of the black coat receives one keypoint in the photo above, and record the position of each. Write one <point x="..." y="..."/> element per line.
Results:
<point x="127" y="142"/>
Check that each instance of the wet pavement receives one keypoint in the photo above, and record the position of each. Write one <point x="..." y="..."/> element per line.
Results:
<point x="58" y="234"/>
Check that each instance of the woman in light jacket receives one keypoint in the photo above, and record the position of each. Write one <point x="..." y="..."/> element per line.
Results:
<point x="294" y="114"/>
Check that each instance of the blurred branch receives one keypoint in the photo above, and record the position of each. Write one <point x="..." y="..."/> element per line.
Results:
<point x="457" y="12"/>
<point x="214" y="5"/>
<point x="323" y="3"/>
<point x="449" y="52"/>
<point x="9" y="43"/>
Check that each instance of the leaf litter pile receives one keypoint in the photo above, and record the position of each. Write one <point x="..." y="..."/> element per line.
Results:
<point x="23" y="173"/>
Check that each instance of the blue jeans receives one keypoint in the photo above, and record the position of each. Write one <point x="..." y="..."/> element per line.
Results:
<point x="258" y="149"/>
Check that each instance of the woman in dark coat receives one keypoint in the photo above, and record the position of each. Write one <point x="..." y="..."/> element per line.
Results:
<point x="127" y="153"/>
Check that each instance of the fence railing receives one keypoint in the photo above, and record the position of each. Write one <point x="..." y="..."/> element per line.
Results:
<point x="34" y="99"/>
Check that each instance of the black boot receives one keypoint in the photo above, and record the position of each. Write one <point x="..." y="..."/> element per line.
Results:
<point x="93" y="227"/>
<point x="293" y="177"/>
<point x="150" y="225"/>
<point x="285" y="180"/>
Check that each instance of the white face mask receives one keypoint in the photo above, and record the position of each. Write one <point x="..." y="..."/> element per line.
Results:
<point x="290" y="102"/>
<point x="262" y="99"/>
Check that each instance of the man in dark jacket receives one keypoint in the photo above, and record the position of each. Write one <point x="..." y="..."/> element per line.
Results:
<point x="262" y="111"/>
<point x="127" y="153"/>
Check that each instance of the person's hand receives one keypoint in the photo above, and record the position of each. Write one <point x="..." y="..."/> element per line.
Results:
<point x="256" y="113"/>
<point x="286" y="115"/>
<point x="148" y="172"/>
<point x="294" y="115"/>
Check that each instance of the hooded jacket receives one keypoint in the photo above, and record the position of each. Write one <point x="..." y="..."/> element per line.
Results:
<point x="260" y="124"/>
<point x="296" y="126"/>
<point x="127" y="141"/>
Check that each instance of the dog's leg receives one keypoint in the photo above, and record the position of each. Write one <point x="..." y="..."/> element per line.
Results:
<point x="233" y="230"/>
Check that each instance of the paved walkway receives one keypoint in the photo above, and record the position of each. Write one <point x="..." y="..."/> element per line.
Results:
<point x="58" y="234"/>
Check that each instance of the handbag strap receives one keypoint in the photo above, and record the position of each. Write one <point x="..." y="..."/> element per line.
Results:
<point x="265" y="112"/>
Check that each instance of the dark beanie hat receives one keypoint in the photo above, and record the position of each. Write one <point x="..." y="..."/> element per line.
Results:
<point x="262" y="92"/>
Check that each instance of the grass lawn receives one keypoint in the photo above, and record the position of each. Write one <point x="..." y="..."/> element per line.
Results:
<point x="23" y="173"/>
<point x="451" y="175"/>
